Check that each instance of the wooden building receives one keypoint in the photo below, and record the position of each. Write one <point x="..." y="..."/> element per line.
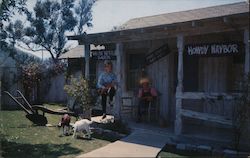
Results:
<point x="192" y="58"/>
<point x="76" y="61"/>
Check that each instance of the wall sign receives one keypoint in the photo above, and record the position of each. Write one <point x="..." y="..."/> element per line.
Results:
<point x="103" y="55"/>
<point x="214" y="49"/>
<point x="157" y="54"/>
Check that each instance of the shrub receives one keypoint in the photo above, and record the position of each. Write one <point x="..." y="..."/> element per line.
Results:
<point x="80" y="90"/>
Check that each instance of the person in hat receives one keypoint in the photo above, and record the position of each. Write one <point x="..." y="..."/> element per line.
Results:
<point x="106" y="86"/>
<point x="146" y="95"/>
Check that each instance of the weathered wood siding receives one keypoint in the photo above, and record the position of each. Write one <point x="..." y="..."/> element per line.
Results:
<point x="214" y="78"/>
<point x="163" y="75"/>
<point x="215" y="75"/>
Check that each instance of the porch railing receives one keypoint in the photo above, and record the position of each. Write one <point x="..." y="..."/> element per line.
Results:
<point x="223" y="116"/>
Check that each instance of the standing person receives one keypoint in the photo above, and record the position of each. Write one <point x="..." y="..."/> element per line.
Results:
<point x="106" y="86"/>
<point x="146" y="95"/>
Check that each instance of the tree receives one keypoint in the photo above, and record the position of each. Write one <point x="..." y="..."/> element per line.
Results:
<point x="8" y="8"/>
<point x="14" y="32"/>
<point x="83" y="10"/>
<point x="51" y="20"/>
<point x="49" y="23"/>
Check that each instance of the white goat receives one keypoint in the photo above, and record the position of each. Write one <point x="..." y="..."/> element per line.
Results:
<point x="82" y="125"/>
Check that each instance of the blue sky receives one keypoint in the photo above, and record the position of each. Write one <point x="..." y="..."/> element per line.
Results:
<point x="110" y="13"/>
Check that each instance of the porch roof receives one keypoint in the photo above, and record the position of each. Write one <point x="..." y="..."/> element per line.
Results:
<point x="191" y="22"/>
<point x="79" y="52"/>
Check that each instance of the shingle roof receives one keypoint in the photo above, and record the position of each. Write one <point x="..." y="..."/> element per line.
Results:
<point x="184" y="16"/>
<point x="78" y="52"/>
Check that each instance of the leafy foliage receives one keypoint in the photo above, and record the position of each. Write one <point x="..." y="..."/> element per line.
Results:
<point x="48" y="25"/>
<point x="31" y="75"/>
<point x="14" y="32"/>
<point x="8" y="8"/>
<point x="80" y="89"/>
<point x="83" y="10"/>
<point x="33" y="72"/>
<point x="52" y="20"/>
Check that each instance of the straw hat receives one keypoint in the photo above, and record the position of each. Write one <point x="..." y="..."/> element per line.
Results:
<point x="108" y="62"/>
<point x="144" y="80"/>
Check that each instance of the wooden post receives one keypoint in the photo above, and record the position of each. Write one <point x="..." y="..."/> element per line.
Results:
<point x="179" y="88"/>
<point x="247" y="53"/>
<point x="87" y="55"/>
<point x="119" y="74"/>
<point x="0" y="88"/>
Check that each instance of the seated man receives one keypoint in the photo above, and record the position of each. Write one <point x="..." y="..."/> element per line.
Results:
<point x="146" y="95"/>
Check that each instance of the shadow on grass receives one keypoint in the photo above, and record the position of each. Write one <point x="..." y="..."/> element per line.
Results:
<point x="106" y="136"/>
<point x="117" y="126"/>
<point x="83" y="138"/>
<point x="14" y="149"/>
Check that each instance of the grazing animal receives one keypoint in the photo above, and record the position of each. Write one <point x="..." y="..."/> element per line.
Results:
<point x="81" y="126"/>
<point x="65" y="124"/>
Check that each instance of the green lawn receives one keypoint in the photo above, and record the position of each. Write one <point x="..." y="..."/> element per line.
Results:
<point x="165" y="154"/>
<point x="19" y="138"/>
<point x="170" y="152"/>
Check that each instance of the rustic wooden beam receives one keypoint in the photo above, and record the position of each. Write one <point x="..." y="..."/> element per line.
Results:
<point x="87" y="56"/>
<point x="247" y="53"/>
<point x="179" y="88"/>
<point x="119" y="73"/>
<point x="202" y="95"/>
<point x="206" y="117"/>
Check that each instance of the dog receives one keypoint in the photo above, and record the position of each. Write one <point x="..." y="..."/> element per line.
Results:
<point x="81" y="126"/>
<point x="65" y="124"/>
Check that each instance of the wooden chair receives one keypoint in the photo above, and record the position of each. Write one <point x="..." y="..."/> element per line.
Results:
<point x="128" y="108"/>
<point x="153" y="108"/>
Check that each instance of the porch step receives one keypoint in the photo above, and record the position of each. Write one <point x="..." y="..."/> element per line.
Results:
<point x="206" y="117"/>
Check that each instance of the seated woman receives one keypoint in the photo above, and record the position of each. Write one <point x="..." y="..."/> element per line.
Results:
<point x="106" y="86"/>
<point x="146" y="95"/>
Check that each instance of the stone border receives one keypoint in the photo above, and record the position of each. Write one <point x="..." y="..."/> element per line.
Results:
<point x="206" y="150"/>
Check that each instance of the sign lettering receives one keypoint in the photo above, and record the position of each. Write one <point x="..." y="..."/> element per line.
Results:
<point x="214" y="49"/>
<point x="103" y="55"/>
<point x="157" y="54"/>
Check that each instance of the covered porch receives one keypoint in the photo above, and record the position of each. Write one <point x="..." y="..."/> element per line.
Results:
<point x="184" y="81"/>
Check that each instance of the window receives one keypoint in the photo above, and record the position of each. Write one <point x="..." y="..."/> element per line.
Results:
<point x="136" y="63"/>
